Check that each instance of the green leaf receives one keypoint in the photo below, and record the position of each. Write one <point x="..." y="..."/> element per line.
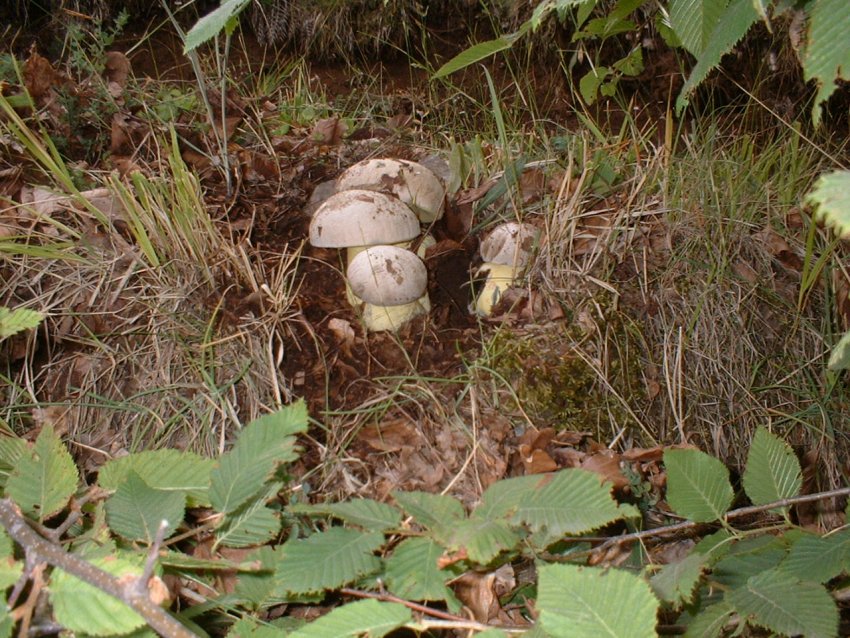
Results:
<point x="779" y="602"/>
<point x="371" y="618"/>
<point x="483" y="539"/>
<point x="773" y="471"/>
<point x="136" y="510"/>
<point x="251" y="524"/>
<point x="694" y="21"/>
<point x="362" y="512"/>
<point x="212" y="24"/>
<point x="412" y="572"/>
<point x="11" y="450"/>
<point x="588" y="602"/>
<point x="733" y="25"/>
<point x="840" y="357"/>
<point x="10" y="569"/>
<point x="264" y="443"/>
<point x="479" y="52"/>
<point x="45" y="479"/>
<point x="327" y="560"/>
<point x="14" y="321"/>
<point x="676" y="582"/>
<point x="831" y="197"/>
<point x="167" y="470"/>
<point x="436" y="512"/>
<point x="697" y="485"/>
<point x="827" y="54"/>
<point x="83" y="608"/>
<point x="569" y="502"/>
<point x="710" y="621"/>
<point x="590" y="82"/>
<point x="818" y="558"/>
<point x="747" y="557"/>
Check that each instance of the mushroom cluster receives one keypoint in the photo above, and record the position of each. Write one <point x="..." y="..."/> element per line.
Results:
<point x="375" y="215"/>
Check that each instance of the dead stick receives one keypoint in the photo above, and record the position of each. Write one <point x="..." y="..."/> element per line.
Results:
<point x="43" y="550"/>
<point x="732" y="515"/>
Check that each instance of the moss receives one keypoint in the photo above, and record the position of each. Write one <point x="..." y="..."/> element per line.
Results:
<point x="554" y="382"/>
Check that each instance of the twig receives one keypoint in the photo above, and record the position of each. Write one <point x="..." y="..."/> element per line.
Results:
<point x="458" y="622"/>
<point x="42" y="550"/>
<point x="731" y="515"/>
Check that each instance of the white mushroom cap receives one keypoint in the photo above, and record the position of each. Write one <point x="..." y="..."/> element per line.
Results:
<point x="412" y="183"/>
<point x="362" y="218"/>
<point x="509" y="244"/>
<point x="387" y="276"/>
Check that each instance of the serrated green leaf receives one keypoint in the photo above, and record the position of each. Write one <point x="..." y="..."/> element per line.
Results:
<point x="578" y="602"/>
<point x="212" y="24"/>
<point x="436" y="512"/>
<point x="483" y="539"/>
<point x="412" y="572"/>
<point x="11" y="451"/>
<point x="735" y="20"/>
<point x="241" y="473"/>
<point x="362" y="512"/>
<point x="676" y="583"/>
<point x="44" y="480"/>
<point x="831" y="197"/>
<point x="747" y="557"/>
<point x="773" y="471"/>
<point x="252" y="524"/>
<point x="709" y="622"/>
<point x="503" y="498"/>
<point x="371" y="618"/>
<point x="14" y="321"/>
<point x="784" y="604"/>
<point x="167" y="470"/>
<point x="327" y="560"/>
<point x="185" y="562"/>
<point x="698" y="485"/>
<point x="569" y="502"/>
<point x="694" y="21"/>
<point x="818" y="558"/>
<point x="83" y="608"/>
<point x="136" y="510"/>
<point x="827" y="53"/>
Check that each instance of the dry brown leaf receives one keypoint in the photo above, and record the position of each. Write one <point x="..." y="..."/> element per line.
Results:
<point x="477" y="592"/>
<point x="329" y="131"/>
<point x="607" y="465"/>
<point x="780" y="249"/>
<point x="39" y="76"/>
<point x="532" y="184"/>
<point x="390" y="435"/>
<point x="117" y="68"/>
<point x="644" y="454"/>
<point x="536" y="461"/>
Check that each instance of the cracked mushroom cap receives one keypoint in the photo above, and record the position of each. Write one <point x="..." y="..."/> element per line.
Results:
<point x="387" y="276"/>
<point x="509" y="244"/>
<point x="362" y="218"/>
<point x="412" y="183"/>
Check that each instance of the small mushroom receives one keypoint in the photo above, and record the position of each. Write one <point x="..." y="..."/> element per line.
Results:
<point x="506" y="252"/>
<point x="356" y="218"/>
<point x="510" y="243"/>
<point x="497" y="279"/>
<point x="412" y="183"/>
<point x="392" y="284"/>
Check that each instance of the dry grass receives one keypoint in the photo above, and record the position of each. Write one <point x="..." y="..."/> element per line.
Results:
<point x="171" y="338"/>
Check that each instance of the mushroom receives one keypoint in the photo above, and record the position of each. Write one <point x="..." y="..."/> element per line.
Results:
<point x="357" y="218"/>
<point x="506" y="252"/>
<point x="391" y="283"/>
<point x="412" y="183"/>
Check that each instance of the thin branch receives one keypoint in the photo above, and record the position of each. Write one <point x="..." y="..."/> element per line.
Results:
<point x="730" y="516"/>
<point x="44" y="551"/>
<point x="443" y="616"/>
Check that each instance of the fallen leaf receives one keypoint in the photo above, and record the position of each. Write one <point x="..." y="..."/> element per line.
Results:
<point x="329" y="131"/>
<point x="39" y="76"/>
<point x="117" y="68"/>
<point x="607" y="465"/>
<point x="779" y="248"/>
<point x="390" y="435"/>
